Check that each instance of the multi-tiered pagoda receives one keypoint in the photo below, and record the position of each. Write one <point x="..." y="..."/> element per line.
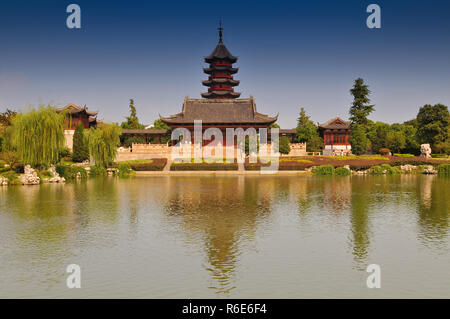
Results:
<point x="220" y="71"/>
<point x="220" y="106"/>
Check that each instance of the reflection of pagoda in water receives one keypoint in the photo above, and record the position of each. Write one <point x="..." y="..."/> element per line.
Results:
<point x="225" y="217"/>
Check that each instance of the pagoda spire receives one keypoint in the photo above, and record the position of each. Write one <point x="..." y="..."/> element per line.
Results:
<point x="220" y="80"/>
<point x="220" y="31"/>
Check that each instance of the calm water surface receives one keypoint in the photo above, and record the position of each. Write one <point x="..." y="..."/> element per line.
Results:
<point x="236" y="236"/>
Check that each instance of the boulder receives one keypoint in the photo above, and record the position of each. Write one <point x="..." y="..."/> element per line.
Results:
<point x="408" y="168"/>
<point x="425" y="150"/>
<point x="429" y="170"/>
<point x="29" y="177"/>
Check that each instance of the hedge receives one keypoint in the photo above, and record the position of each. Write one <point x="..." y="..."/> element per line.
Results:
<point x="204" y="167"/>
<point x="323" y="170"/>
<point x="156" y="164"/>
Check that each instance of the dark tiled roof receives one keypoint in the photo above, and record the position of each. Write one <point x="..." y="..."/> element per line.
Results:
<point x="221" y="52"/>
<point x="144" y="132"/>
<point x="217" y="111"/>
<point x="288" y="131"/>
<point x="72" y="108"/>
<point x="220" y="69"/>
<point x="336" y="123"/>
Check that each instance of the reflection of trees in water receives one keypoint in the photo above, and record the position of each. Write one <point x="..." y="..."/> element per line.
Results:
<point x="51" y="215"/>
<point x="433" y="209"/>
<point x="331" y="194"/>
<point x="361" y="193"/>
<point x="226" y="213"/>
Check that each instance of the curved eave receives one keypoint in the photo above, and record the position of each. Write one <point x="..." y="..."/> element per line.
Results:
<point x="221" y="94"/>
<point x="210" y="59"/>
<point x="220" y="81"/>
<point x="220" y="69"/>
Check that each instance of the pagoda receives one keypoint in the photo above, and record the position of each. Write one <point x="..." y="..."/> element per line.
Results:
<point x="220" y="107"/>
<point x="220" y="82"/>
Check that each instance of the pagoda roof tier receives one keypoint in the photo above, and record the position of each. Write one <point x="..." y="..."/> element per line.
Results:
<point x="220" y="81"/>
<point x="335" y="124"/>
<point x="221" y="94"/>
<point x="217" y="68"/>
<point x="72" y="108"/>
<point x="219" y="111"/>
<point x="220" y="53"/>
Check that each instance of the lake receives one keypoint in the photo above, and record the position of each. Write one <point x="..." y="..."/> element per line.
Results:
<point x="227" y="237"/>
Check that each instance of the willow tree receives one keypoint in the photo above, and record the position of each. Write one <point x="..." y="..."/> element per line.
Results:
<point x="38" y="136"/>
<point x="103" y="143"/>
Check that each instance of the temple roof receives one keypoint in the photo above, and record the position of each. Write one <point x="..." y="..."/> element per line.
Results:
<point x="72" y="108"/>
<point x="220" y="53"/>
<point x="335" y="123"/>
<point x="216" y="111"/>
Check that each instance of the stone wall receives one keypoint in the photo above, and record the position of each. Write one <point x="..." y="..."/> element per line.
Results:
<point x="297" y="149"/>
<point x="68" y="135"/>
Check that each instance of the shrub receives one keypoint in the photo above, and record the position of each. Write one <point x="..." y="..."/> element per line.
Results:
<point x="12" y="177"/>
<point x="376" y="170"/>
<point x="2" y="163"/>
<point x="323" y="170"/>
<point x="156" y="164"/>
<point x="444" y="170"/>
<point x="98" y="170"/>
<point x="5" y="169"/>
<point x="342" y="171"/>
<point x="384" y="169"/>
<point x="70" y="172"/>
<point x="384" y="151"/>
<point x="284" y="145"/>
<point x="125" y="170"/>
<point x="65" y="152"/>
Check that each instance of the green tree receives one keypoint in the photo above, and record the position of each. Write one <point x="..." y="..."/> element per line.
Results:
<point x="129" y="141"/>
<point x="308" y="132"/>
<point x="395" y="141"/>
<point x="361" y="107"/>
<point x="80" y="145"/>
<point x="132" y="122"/>
<point x="306" y="129"/>
<point x="359" y="140"/>
<point x="274" y="125"/>
<point x="103" y="143"/>
<point x="433" y="122"/>
<point x="377" y="133"/>
<point x="284" y="146"/>
<point x="160" y="125"/>
<point x="38" y="136"/>
<point x="315" y="144"/>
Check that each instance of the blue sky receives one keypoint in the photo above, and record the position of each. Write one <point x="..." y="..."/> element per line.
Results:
<point x="291" y="54"/>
